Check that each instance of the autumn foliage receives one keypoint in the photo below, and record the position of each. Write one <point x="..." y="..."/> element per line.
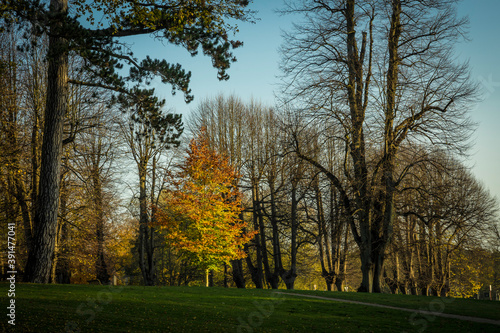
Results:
<point x="201" y="212"/>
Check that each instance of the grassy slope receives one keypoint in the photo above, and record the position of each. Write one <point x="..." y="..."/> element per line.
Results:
<point x="464" y="307"/>
<point x="73" y="308"/>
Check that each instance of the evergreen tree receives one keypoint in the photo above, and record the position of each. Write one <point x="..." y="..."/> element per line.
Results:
<point x="191" y="24"/>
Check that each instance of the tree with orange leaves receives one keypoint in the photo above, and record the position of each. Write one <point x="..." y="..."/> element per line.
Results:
<point x="201" y="212"/>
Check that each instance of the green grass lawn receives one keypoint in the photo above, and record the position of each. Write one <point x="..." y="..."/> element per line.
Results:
<point x="464" y="307"/>
<point x="85" y="308"/>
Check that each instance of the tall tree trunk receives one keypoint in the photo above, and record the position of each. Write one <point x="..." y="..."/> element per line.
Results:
<point x="341" y="278"/>
<point x="211" y="278"/>
<point x="323" y="244"/>
<point x="35" y="156"/>
<point x="366" y="269"/>
<point x="384" y="231"/>
<point x="237" y="272"/>
<point x="146" y="233"/>
<point x="63" y="272"/>
<point x="255" y="272"/>
<point x="259" y="220"/>
<point x="39" y="263"/>
<point x="101" y="270"/>
<point x="34" y="163"/>
<point x="60" y="268"/>
<point x="237" y="268"/>
<point x="288" y="276"/>
<point x="278" y="266"/>
<point x="9" y="113"/>
<point x="20" y="194"/>
<point x="225" y="275"/>
<point x="357" y="149"/>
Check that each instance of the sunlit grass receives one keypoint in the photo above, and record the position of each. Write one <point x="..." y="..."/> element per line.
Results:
<point x="464" y="307"/>
<point x="85" y="308"/>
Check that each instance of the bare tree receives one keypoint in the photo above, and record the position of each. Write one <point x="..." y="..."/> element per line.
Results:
<point x="95" y="155"/>
<point x="20" y="124"/>
<point x="443" y="210"/>
<point x="380" y="71"/>
<point x="274" y="184"/>
<point x="207" y="27"/>
<point x="148" y="134"/>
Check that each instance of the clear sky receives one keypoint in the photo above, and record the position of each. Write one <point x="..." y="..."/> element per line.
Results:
<point x="254" y="75"/>
<point x="483" y="52"/>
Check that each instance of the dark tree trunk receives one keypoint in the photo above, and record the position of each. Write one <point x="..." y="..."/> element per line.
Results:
<point x="101" y="269"/>
<point x="339" y="283"/>
<point x="225" y="276"/>
<point x="39" y="263"/>
<point x="328" y="280"/>
<point x="146" y="233"/>
<point x="323" y="244"/>
<point x="63" y="272"/>
<point x="289" y="276"/>
<point x="383" y="232"/>
<point x="366" y="271"/>
<point x="25" y="211"/>
<point x="16" y="186"/>
<point x="378" y="269"/>
<point x="34" y="166"/>
<point x="259" y="220"/>
<point x="237" y="272"/>
<point x="255" y="273"/>
<point x="211" y="278"/>
<point x="278" y="266"/>
<point x="100" y="265"/>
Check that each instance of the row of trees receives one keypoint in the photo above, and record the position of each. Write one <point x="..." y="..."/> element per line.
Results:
<point x="358" y="165"/>
<point x="23" y="95"/>
<point x="100" y="133"/>
<point x="379" y="75"/>
<point x="441" y="212"/>
<point x="98" y="44"/>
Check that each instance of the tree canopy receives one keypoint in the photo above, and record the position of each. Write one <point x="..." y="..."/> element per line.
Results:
<point x="93" y="30"/>
<point x="194" y="25"/>
<point x="201" y="213"/>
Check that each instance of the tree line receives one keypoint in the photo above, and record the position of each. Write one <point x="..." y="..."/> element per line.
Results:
<point x="443" y="215"/>
<point x="356" y="176"/>
<point x="94" y="33"/>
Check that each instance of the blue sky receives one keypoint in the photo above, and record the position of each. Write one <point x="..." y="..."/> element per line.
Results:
<point x="254" y="75"/>
<point x="483" y="52"/>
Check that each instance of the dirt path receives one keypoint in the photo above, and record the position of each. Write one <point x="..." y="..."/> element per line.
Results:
<point x="423" y="312"/>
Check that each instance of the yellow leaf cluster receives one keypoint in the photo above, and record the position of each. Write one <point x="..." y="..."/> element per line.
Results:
<point x="201" y="214"/>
